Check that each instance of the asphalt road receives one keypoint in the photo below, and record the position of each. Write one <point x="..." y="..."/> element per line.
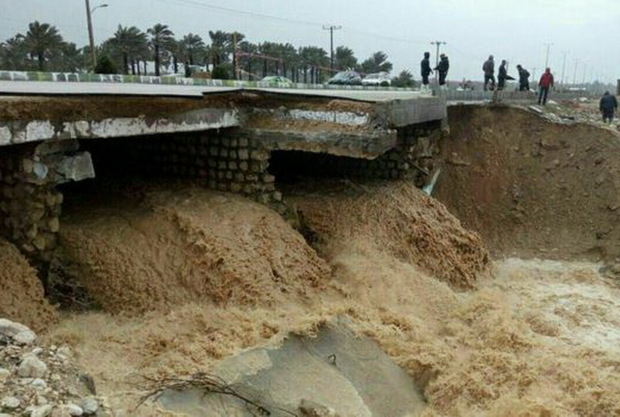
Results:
<point x="31" y="88"/>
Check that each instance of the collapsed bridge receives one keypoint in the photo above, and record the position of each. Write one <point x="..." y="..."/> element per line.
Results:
<point x="237" y="140"/>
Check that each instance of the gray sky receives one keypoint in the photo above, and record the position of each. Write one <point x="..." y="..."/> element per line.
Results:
<point x="516" y="30"/>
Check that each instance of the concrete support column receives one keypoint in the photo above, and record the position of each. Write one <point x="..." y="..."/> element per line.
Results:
<point x="30" y="204"/>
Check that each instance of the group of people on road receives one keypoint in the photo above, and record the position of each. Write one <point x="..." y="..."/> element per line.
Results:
<point x="608" y="103"/>
<point x="544" y="84"/>
<point x="442" y="70"/>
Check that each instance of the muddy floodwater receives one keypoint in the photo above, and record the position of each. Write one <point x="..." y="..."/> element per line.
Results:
<point x="498" y="303"/>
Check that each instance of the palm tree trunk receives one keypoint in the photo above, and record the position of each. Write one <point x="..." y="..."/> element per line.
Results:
<point x="305" y="74"/>
<point x="156" y="60"/>
<point x="264" y="67"/>
<point x="41" y="59"/>
<point x="175" y="62"/>
<point x="125" y="63"/>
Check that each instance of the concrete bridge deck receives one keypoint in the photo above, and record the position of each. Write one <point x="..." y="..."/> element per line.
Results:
<point x="48" y="110"/>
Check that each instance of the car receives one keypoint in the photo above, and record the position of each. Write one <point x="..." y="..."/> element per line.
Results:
<point x="378" y="79"/>
<point x="346" y="78"/>
<point x="273" y="79"/>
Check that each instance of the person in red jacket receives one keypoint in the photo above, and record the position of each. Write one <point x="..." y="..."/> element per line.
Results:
<point x="545" y="83"/>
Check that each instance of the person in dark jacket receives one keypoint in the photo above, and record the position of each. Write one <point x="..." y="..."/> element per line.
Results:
<point x="502" y="75"/>
<point x="442" y="69"/>
<point x="489" y="73"/>
<point x="524" y="79"/>
<point x="608" y="106"/>
<point x="545" y="83"/>
<point x="425" y="70"/>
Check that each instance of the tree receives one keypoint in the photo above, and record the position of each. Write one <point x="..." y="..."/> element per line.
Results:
<point x="404" y="79"/>
<point x="344" y="58"/>
<point x="131" y="44"/>
<point x="13" y="54"/>
<point x="313" y="58"/>
<point x="220" y="45"/>
<point x="377" y="63"/>
<point x="70" y="59"/>
<point x="191" y="46"/>
<point x="161" y="36"/>
<point x="42" y="40"/>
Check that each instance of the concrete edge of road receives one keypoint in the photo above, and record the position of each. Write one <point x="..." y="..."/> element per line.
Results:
<point x="171" y="80"/>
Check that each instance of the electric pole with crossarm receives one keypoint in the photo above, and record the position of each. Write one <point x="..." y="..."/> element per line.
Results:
<point x="331" y="29"/>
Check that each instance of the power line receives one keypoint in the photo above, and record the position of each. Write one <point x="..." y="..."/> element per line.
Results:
<point x="228" y="10"/>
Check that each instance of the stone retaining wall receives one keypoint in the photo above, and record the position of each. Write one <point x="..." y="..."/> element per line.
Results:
<point x="30" y="207"/>
<point x="221" y="162"/>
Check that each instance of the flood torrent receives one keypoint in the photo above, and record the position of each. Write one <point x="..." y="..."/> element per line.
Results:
<point x="184" y="277"/>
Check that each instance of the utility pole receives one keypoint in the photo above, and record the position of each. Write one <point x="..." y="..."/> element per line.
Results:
<point x="584" y="73"/>
<point x="236" y="57"/>
<point x="437" y="45"/>
<point x="547" y="55"/>
<point x="331" y="29"/>
<point x="91" y="35"/>
<point x="575" y="73"/>
<point x="564" y="53"/>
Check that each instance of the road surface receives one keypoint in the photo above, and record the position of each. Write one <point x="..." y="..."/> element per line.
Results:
<point x="89" y="88"/>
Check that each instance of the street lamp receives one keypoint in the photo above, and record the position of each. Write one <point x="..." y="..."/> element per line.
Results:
<point x="91" y="36"/>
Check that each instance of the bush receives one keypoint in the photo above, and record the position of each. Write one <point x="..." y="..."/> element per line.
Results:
<point x="105" y="66"/>
<point x="220" y="72"/>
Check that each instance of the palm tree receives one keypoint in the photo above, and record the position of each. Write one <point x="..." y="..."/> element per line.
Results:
<point x="161" y="36"/>
<point x="71" y="58"/>
<point x="220" y="48"/>
<point x="42" y="40"/>
<point x="191" y="45"/>
<point x="344" y="58"/>
<point x="131" y="43"/>
<point x="377" y="63"/>
<point x="13" y="53"/>
<point x="314" y="58"/>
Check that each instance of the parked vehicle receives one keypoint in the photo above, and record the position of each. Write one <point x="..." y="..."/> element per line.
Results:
<point x="276" y="79"/>
<point x="346" y="78"/>
<point x="378" y="79"/>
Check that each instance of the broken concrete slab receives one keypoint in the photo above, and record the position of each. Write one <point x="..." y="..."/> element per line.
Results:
<point x="335" y="373"/>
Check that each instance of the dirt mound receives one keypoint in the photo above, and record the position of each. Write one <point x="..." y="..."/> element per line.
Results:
<point x="531" y="187"/>
<point x="188" y="245"/>
<point x="400" y="220"/>
<point x="21" y="292"/>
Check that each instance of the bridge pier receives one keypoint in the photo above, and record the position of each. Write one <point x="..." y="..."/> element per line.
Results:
<point x="30" y="203"/>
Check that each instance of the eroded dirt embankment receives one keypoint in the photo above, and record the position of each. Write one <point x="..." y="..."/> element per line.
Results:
<point x="531" y="187"/>
<point x="21" y="291"/>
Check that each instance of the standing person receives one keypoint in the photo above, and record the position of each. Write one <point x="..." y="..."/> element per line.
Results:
<point x="442" y="69"/>
<point x="425" y="70"/>
<point x="607" y="106"/>
<point x="545" y="83"/>
<point x="489" y="72"/>
<point x="524" y="79"/>
<point x="502" y="75"/>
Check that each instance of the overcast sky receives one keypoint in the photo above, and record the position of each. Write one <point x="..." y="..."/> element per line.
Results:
<point x="516" y="30"/>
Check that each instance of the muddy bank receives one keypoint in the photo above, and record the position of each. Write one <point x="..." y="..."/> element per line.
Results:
<point x="395" y="218"/>
<point x="21" y="292"/>
<point x="531" y="187"/>
<point x="168" y="248"/>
